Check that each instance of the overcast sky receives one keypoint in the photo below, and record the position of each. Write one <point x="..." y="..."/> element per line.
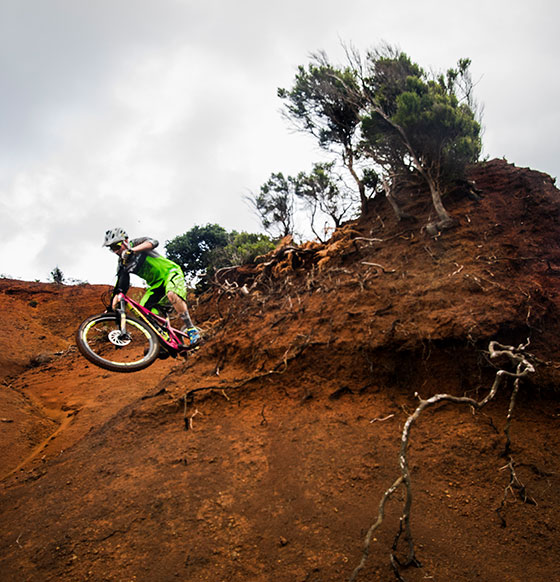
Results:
<point x="157" y="115"/>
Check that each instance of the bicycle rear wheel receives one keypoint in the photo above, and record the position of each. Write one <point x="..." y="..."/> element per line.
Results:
<point x="100" y="340"/>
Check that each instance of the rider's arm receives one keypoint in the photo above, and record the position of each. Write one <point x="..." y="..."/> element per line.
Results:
<point x="146" y="244"/>
<point x="122" y="285"/>
<point x="130" y="262"/>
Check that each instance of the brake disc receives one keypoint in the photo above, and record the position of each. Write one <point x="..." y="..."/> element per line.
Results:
<point x="119" y="339"/>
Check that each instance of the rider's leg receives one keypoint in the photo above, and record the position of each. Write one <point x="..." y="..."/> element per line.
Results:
<point x="176" y="291"/>
<point x="152" y="297"/>
<point x="180" y="306"/>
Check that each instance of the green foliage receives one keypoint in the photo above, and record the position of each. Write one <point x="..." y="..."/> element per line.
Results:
<point x="322" y="189"/>
<point x="322" y="102"/>
<point x="417" y="116"/>
<point x="390" y="73"/>
<point x="371" y="179"/>
<point x="57" y="276"/>
<point x="438" y="126"/>
<point x="193" y="250"/>
<point x="242" y="248"/>
<point x="275" y="205"/>
<point x="203" y="250"/>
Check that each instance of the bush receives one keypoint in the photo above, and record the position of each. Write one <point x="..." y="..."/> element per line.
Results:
<point x="57" y="276"/>
<point x="203" y="250"/>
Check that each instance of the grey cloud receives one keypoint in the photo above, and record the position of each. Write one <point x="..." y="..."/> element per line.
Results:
<point x="64" y="54"/>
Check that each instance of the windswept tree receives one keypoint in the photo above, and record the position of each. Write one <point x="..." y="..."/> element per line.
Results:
<point x="274" y="205"/>
<point x="419" y="124"/>
<point x="391" y="165"/>
<point x="411" y="126"/>
<point x="324" y="191"/>
<point x="326" y="102"/>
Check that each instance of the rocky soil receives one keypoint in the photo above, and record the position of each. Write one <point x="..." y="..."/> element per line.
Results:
<point x="265" y="455"/>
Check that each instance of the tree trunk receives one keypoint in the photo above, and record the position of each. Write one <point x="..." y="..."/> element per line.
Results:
<point x="349" y="163"/>
<point x="445" y="219"/>
<point x="388" y="189"/>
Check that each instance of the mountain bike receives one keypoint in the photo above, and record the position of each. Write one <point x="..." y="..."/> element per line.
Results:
<point x="120" y="342"/>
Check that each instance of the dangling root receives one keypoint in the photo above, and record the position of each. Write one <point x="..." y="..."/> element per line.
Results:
<point x="523" y="367"/>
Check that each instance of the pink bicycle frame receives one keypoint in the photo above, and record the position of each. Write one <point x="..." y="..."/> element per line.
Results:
<point x="170" y="337"/>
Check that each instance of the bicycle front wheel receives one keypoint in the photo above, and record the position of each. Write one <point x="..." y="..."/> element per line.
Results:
<point x="100" y="340"/>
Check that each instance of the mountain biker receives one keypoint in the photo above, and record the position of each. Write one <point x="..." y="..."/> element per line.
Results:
<point x="164" y="277"/>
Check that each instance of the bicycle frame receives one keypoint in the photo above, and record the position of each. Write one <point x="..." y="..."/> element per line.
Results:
<point x="169" y="336"/>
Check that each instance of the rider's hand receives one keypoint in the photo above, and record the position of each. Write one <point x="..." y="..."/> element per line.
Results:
<point x="127" y="255"/>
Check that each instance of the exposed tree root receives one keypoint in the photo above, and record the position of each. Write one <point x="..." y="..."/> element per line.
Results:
<point x="516" y="356"/>
<point x="516" y="489"/>
<point x="380" y="516"/>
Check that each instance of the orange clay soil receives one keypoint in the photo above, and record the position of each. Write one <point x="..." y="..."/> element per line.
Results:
<point x="295" y="405"/>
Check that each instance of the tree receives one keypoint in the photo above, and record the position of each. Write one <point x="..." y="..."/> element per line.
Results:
<point x="203" y="250"/>
<point x="419" y="125"/>
<point x="411" y="126"/>
<point x="322" y="190"/>
<point x="388" y="74"/>
<point x="57" y="276"/>
<point x="193" y="250"/>
<point x="275" y="205"/>
<point x="326" y="102"/>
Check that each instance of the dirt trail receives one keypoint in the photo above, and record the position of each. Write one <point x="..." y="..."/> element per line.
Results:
<point x="64" y="423"/>
<point x="297" y="404"/>
<point x="57" y="396"/>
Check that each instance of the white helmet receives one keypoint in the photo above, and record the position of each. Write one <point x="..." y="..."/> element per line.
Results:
<point x="114" y="235"/>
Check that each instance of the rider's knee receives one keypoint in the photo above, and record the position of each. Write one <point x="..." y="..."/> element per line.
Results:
<point x="174" y="298"/>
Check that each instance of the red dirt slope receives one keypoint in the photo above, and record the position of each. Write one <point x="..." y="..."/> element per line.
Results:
<point x="296" y="403"/>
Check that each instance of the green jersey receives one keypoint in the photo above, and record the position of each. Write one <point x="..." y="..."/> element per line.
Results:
<point x="161" y="274"/>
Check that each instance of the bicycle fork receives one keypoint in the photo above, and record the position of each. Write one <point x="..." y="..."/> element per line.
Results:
<point x="122" y="319"/>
